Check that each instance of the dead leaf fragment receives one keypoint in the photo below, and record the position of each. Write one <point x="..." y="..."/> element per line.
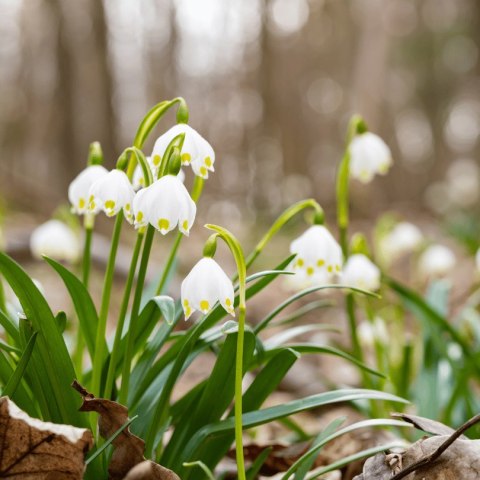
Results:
<point x="31" y="449"/>
<point x="127" y="460"/>
<point x="426" y="424"/>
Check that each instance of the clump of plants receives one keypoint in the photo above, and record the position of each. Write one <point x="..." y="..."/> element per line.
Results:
<point x="128" y="378"/>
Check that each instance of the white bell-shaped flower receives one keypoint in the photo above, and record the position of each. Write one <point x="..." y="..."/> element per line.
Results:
<point x="79" y="189"/>
<point x="206" y="284"/>
<point x="112" y="193"/>
<point x="369" y="155"/>
<point x="370" y="333"/>
<point x="402" y="239"/>
<point x="436" y="261"/>
<point x="477" y="259"/>
<point x="319" y="257"/>
<point x="165" y="204"/>
<point x="196" y="151"/>
<point x="360" y="272"/>
<point x="138" y="179"/>
<point x="56" y="240"/>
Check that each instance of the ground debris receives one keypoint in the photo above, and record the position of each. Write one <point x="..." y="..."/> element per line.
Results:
<point x="441" y="457"/>
<point x="31" y="449"/>
<point x="127" y="462"/>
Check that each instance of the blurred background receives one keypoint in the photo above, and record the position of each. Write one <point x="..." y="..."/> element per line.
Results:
<point x="270" y="83"/>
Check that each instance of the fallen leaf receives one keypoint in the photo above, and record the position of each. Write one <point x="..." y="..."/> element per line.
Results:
<point x="442" y="457"/>
<point x="31" y="449"/>
<point x="127" y="460"/>
<point x="425" y="424"/>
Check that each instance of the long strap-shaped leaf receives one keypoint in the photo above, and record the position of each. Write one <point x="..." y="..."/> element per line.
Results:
<point x="259" y="417"/>
<point x="15" y="379"/>
<point x="83" y="303"/>
<point x="50" y="343"/>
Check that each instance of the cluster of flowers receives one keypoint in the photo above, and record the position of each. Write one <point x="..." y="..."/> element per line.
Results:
<point x="166" y="204"/>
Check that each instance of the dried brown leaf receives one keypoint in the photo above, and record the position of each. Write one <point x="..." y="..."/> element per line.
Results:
<point x="425" y="424"/>
<point x="31" y="449"/>
<point x="443" y="457"/>
<point x="127" y="460"/>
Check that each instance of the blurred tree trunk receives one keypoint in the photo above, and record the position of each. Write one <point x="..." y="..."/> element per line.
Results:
<point x="67" y="88"/>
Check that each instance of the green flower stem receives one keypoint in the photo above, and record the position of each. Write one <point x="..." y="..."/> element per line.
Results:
<point x="86" y="263"/>
<point x="356" y="125"/>
<point x="100" y="354"/>
<point x="287" y="215"/>
<point x="196" y="192"/>
<point x="137" y="298"/>
<point x="122" y="315"/>
<point x="237" y="253"/>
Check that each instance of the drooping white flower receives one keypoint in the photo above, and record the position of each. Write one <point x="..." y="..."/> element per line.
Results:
<point x="206" y="284"/>
<point x="79" y="189"/>
<point x="436" y="261"/>
<point x="56" y="240"/>
<point x="165" y="204"/>
<point x="477" y="259"/>
<point x="403" y="238"/>
<point x="369" y="155"/>
<point x="371" y="332"/>
<point x="196" y="151"/>
<point x="111" y="193"/>
<point x="138" y="180"/>
<point x="319" y="257"/>
<point x="360" y="272"/>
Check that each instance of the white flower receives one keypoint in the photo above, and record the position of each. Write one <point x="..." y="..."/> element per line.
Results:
<point x="138" y="180"/>
<point x="165" y="204"/>
<point x="111" y="193"/>
<point x="477" y="259"/>
<point x="436" y="261"/>
<point x="403" y="238"/>
<point x="56" y="240"/>
<point x="361" y="272"/>
<point x="79" y="189"/>
<point x="369" y="155"/>
<point x="206" y="284"/>
<point x="319" y="257"/>
<point x="369" y="332"/>
<point x="196" y="151"/>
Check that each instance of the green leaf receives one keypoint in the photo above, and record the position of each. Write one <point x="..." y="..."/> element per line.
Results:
<point x="264" y="323"/>
<point x="287" y="334"/>
<point x="83" y="303"/>
<point x="369" y="452"/>
<point x="419" y="307"/>
<point x="260" y="417"/>
<point x="305" y="462"/>
<point x="253" y="471"/>
<point x="15" y="379"/>
<point x="213" y="449"/>
<point x="314" y="348"/>
<point x="166" y="305"/>
<point x="52" y="351"/>
<point x="313" y="452"/>
<point x="10" y="327"/>
<point x="202" y="466"/>
<point x="21" y="397"/>
<point x="216" y="396"/>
